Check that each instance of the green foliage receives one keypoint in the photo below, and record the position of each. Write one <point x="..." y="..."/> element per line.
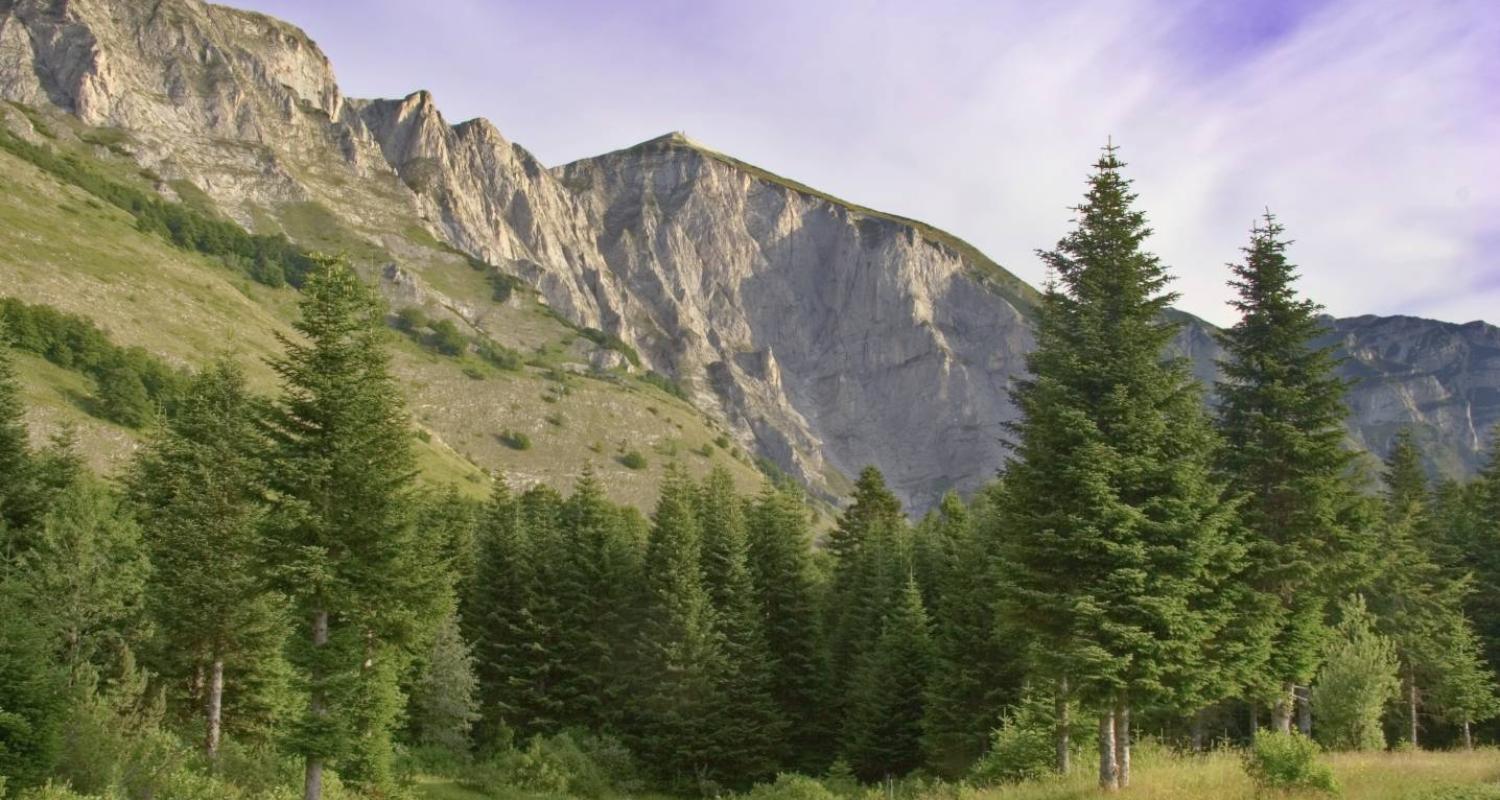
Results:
<point x="515" y="440"/>
<point x="790" y="787"/>
<point x="1288" y="762"/>
<point x="662" y="382"/>
<point x="633" y="460"/>
<point x="131" y="383"/>
<point x="1022" y="748"/>
<point x="883" y="727"/>
<point x="268" y="259"/>
<point x="444" y="699"/>
<point x="411" y="319"/>
<point x="610" y="341"/>
<point x="500" y="356"/>
<point x="448" y="339"/>
<point x="32" y="700"/>
<point x="1357" y="679"/>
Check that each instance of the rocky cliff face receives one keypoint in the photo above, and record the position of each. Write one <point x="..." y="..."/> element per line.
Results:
<point x="826" y="335"/>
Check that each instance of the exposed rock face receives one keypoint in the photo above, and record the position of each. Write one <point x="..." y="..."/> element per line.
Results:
<point x="827" y="336"/>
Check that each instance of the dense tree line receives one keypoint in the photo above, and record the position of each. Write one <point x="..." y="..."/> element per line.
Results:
<point x="268" y="578"/>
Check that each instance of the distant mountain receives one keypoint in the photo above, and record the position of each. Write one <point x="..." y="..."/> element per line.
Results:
<point x="819" y="335"/>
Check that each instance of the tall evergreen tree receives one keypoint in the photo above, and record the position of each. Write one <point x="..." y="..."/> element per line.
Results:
<point x="1118" y="538"/>
<point x="359" y="573"/>
<point x="682" y="652"/>
<point x="786" y="584"/>
<point x="197" y="488"/>
<point x="750" y="725"/>
<point x="976" y="672"/>
<point x="444" y="702"/>
<point x="883" y="729"/>
<point x="1282" y="416"/>
<point x="16" y="496"/>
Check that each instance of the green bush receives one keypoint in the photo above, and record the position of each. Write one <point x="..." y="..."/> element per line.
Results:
<point x="633" y="460"/>
<point x="500" y="356"/>
<point x="515" y="440"/>
<point x="791" y="787"/>
<point x="665" y="384"/>
<point x="448" y="339"/>
<point x="1357" y="679"/>
<point x="1288" y="761"/>
<point x="1023" y="748"/>
<point x="411" y="319"/>
<point x="569" y="763"/>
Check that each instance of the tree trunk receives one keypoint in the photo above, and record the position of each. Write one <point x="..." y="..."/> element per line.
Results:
<point x="1411" y="703"/>
<point x="214" y="708"/>
<point x="1304" y="710"/>
<point x="1122" y="745"/>
<point x="1196" y="731"/>
<point x="1254" y="719"/>
<point x="1281" y="713"/>
<point x="1109" y="773"/>
<point x="1064" y="750"/>
<point x="312" y="788"/>
<point x="1468" y="736"/>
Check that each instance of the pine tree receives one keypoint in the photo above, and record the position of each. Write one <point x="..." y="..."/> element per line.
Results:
<point x="359" y="573"/>
<point x="681" y="650"/>
<point x="1118" y="537"/>
<point x="788" y="593"/>
<point x="750" y="727"/>
<point x="1281" y="413"/>
<point x="1475" y="532"/>
<point x="882" y="735"/>
<point x="976" y="672"/>
<point x="1466" y="691"/>
<point x="197" y="487"/>
<point x="17" y="498"/>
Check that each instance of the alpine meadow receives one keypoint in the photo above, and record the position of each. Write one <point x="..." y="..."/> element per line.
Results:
<point x="349" y="454"/>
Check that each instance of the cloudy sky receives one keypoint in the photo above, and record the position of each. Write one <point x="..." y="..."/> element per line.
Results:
<point x="1371" y="127"/>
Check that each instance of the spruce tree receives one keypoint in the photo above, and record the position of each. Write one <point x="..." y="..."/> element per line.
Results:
<point x="750" y="726"/>
<point x="17" y="498"/>
<point x="359" y="573"/>
<point x="883" y="728"/>
<point x="444" y="702"/>
<point x="1281" y="413"/>
<point x="976" y="671"/>
<point x="1118" y="536"/>
<point x="197" y="489"/>
<point x="788" y="593"/>
<point x="681" y="651"/>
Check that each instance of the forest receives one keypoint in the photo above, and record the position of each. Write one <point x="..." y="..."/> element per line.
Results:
<point x="267" y="603"/>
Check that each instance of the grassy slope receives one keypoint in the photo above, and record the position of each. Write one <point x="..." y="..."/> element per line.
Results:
<point x="61" y="246"/>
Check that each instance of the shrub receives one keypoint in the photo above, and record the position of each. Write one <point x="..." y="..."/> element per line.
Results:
<point x="1288" y="761"/>
<point x="555" y="420"/>
<point x="569" y="763"/>
<point x="665" y="384"/>
<point x="1022" y="748"/>
<point x="411" y="319"/>
<point x="500" y="356"/>
<point x="633" y="460"/>
<point x="1356" y="680"/>
<point x="448" y="339"/>
<point x="791" y="787"/>
<point x="515" y="440"/>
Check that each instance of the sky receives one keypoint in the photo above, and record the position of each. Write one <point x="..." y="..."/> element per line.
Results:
<point x="1371" y="128"/>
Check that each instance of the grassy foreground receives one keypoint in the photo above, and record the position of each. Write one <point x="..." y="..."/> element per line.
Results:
<point x="1161" y="775"/>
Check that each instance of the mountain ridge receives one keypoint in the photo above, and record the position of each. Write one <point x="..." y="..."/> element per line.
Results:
<point x="822" y="334"/>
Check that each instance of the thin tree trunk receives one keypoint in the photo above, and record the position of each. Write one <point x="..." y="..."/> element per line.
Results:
<point x="1122" y="745"/>
<point x="1304" y="710"/>
<point x="1411" y="703"/>
<point x="1109" y="773"/>
<point x="1254" y="720"/>
<point x="1281" y="713"/>
<point x="1064" y="749"/>
<point x="215" y="708"/>
<point x="312" y="788"/>
<point x="1196" y="731"/>
<point x="1468" y="736"/>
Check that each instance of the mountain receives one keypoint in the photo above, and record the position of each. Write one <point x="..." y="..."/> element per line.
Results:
<point x="806" y="332"/>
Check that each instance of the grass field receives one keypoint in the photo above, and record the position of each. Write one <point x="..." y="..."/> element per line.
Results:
<point x="1161" y="775"/>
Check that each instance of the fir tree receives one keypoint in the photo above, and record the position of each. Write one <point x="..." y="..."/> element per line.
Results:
<point x="1281" y="413"/>
<point x="882" y="735"/>
<point x="444" y="700"/>
<point x="197" y="488"/>
<point x="976" y="672"/>
<point x="788" y="592"/>
<point x="359" y="573"/>
<point x="17" y="498"/>
<point x="681" y="649"/>
<point x="1118" y="536"/>
<point x="750" y="727"/>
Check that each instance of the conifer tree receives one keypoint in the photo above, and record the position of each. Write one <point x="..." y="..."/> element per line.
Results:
<point x="681" y="650"/>
<point x="357" y="569"/>
<point x="1475" y="531"/>
<point x="1356" y="678"/>
<point x="17" y="506"/>
<point x="1281" y="413"/>
<point x="197" y="488"/>
<point x="750" y="726"/>
<point x="444" y="702"/>
<point x="975" y="672"/>
<point x="1118" y="535"/>
<point x="883" y="729"/>
<point x="786" y="585"/>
